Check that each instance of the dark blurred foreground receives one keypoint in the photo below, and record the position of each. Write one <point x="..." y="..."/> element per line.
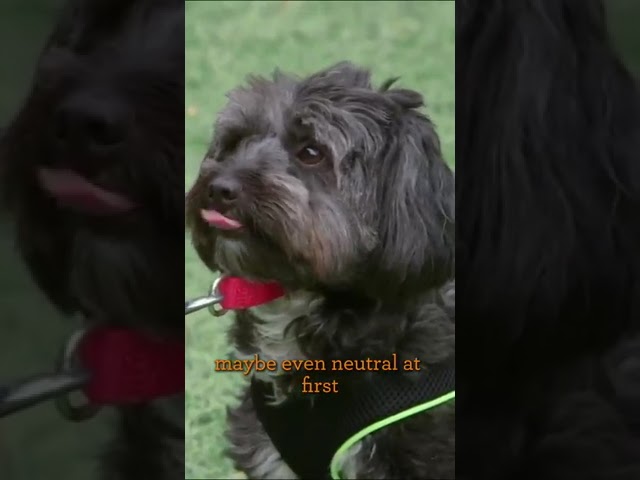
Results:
<point x="37" y="443"/>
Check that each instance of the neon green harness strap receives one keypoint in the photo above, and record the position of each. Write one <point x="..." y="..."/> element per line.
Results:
<point x="385" y="422"/>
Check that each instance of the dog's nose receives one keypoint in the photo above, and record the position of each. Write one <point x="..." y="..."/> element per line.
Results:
<point x="90" y="121"/>
<point x="223" y="192"/>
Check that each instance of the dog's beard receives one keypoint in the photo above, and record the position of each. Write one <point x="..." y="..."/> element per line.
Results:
<point x="288" y="235"/>
<point x="123" y="281"/>
<point x="253" y="259"/>
<point x="114" y="269"/>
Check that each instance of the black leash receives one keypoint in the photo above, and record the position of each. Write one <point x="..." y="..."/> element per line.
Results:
<point x="67" y="378"/>
<point x="36" y="389"/>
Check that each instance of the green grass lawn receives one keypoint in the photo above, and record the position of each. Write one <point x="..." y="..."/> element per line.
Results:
<point x="227" y="40"/>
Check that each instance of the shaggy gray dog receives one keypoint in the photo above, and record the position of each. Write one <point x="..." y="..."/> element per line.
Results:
<point x="337" y="191"/>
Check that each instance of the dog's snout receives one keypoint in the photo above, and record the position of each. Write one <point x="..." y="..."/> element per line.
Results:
<point x="223" y="192"/>
<point x="90" y="121"/>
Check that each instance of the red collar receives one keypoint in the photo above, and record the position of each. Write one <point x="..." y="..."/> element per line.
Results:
<point x="239" y="293"/>
<point x="128" y="366"/>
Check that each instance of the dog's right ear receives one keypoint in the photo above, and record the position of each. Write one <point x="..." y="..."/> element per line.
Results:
<point x="416" y="203"/>
<point x="401" y="97"/>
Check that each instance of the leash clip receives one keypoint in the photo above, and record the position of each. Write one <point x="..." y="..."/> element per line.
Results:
<point x="209" y="301"/>
<point x="36" y="389"/>
<point x="31" y="391"/>
<point x="67" y="362"/>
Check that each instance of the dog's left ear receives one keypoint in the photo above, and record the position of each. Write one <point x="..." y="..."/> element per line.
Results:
<point x="416" y="202"/>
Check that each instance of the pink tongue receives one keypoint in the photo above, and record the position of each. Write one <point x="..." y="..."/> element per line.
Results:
<point x="218" y="220"/>
<point x="73" y="190"/>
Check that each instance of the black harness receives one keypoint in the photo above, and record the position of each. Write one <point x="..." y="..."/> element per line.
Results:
<point x="307" y="434"/>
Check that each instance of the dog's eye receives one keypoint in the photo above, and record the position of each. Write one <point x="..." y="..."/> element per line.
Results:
<point x="310" y="155"/>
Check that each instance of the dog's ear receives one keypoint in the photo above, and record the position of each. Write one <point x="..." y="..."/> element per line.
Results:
<point x="401" y="97"/>
<point x="416" y="202"/>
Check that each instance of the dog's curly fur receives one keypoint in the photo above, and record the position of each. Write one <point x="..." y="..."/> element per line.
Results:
<point x="120" y="270"/>
<point x="363" y="242"/>
<point x="548" y="258"/>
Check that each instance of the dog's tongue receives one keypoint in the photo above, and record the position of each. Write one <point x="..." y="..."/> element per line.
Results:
<point x="72" y="190"/>
<point x="216" y="219"/>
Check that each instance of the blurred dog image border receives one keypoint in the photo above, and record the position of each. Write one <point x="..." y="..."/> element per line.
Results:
<point x="548" y="261"/>
<point x="92" y="168"/>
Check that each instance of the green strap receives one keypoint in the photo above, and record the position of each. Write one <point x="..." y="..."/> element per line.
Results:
<point x="351" y="441"/>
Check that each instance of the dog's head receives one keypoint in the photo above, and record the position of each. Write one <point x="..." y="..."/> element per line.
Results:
<point x="93" y="161"/>
<point x="325" y="182"/>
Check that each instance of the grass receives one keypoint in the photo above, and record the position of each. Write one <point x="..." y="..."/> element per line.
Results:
<point x="225" y="41"/>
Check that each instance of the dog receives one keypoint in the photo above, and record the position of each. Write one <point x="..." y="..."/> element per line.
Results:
<point x="548" y="257"/>
<point x="337" y="191"/>
<point x="92" y="169"/>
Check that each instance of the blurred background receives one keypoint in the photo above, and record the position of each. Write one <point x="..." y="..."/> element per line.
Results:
<point x="225" y="41"/>
<point x="35" y="444"/>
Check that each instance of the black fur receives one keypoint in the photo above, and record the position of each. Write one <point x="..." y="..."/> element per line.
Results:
<point x="548" y="257"/>
<point x="363" y="241"/>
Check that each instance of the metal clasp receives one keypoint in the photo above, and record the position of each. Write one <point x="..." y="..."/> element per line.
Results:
<point x="36" y="389"/>
<point x="68" y="362"/>
<point x="209" y="301"/>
